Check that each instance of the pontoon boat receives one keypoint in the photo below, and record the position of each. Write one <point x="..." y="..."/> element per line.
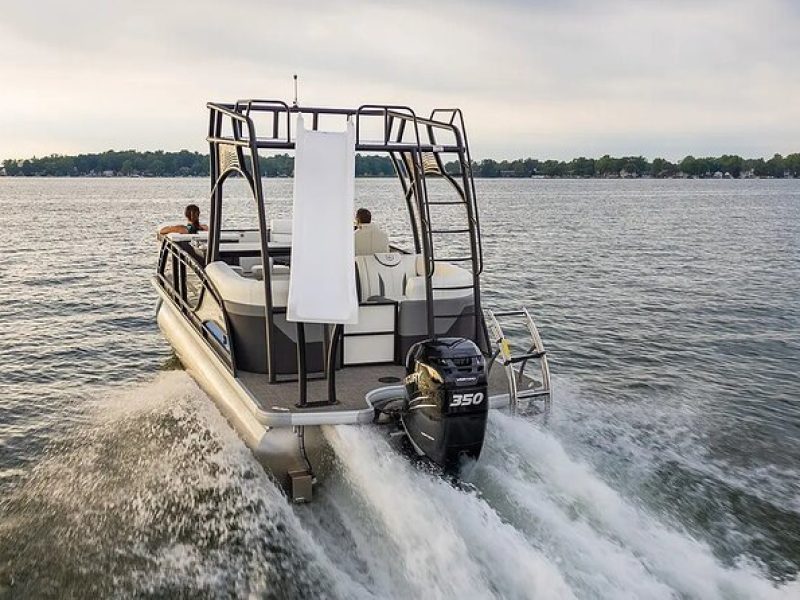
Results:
<point x="288" y="330"/>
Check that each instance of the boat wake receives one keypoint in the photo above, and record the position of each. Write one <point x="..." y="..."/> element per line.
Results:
<point x="536" y="524"/>
<point x="156" y="495"/>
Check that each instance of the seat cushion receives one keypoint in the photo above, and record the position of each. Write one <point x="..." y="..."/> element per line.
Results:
<point x="280" y="231"/>
<point x="243" y="291"/>
<point x="450" y="281"/>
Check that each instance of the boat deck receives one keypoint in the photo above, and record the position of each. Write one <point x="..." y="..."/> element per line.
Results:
<point x="352" y="385"/>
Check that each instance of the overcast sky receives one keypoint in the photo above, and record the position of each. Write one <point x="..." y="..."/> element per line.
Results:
<point x="542" y="78"/>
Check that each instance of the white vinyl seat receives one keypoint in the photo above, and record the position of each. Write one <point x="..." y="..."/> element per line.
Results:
<point x="449" y="280"/>
<point x="401" y="277"/>
<point x="384" y="274"/>
<point x="280" y="231"/>
<point x="248" y="262"/>
<point x="278" y="271"/>
<point x="245" y="291"/>
<point x="370" y="239"/>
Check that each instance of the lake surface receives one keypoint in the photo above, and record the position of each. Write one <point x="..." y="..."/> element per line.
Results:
<point x="669" y="467"/>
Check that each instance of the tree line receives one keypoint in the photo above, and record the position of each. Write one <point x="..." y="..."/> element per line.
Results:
<point x="638" y="166"/>
<point x="193" y="164"/>
<point x="163" y="164"/>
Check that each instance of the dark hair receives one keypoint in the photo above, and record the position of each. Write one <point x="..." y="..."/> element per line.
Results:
<point x="363" y="216"/>
<point x="192" y="213"/>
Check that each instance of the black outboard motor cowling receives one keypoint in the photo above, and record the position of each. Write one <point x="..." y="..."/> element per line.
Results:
<point x="447" y="400"/>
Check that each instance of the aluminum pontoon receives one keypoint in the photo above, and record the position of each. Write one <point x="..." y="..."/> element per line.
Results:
<point x="223" y="302"/>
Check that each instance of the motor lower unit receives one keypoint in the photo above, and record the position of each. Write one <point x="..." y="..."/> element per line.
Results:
<point x="447" y="401"/>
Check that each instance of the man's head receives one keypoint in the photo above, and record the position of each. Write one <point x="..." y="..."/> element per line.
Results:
<point x="363" y="216"/>
<point x="192" y="213"/>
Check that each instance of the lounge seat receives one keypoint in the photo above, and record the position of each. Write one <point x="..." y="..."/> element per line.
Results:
<point x="383" y="276"/>
<point x="244" y="303"/>
<point x="247" y="294"/>
<point x="397" y="276"/>
<point x="401" y="277"/>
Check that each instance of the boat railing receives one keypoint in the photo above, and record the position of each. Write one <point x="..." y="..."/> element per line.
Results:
<point x="418" y="147"/>
<point x="178" y="263"/>
<point x="243" y="130"/>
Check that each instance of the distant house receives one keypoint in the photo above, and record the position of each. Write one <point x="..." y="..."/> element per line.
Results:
<point x="718" y="175"/>
<point x="2" y="171"/>
<point x="108" y="173"/>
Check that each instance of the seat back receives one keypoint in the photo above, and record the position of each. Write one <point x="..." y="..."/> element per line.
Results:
<point x="371" y="239"/>
<point x="449" y="281"/>
<point x="280" y="231"/>
<point x="384" y="274"/>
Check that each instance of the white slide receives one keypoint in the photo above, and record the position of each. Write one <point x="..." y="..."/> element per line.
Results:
<point x="322" y="280"/>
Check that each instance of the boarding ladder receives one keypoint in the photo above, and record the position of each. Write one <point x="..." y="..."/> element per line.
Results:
<point x="520" y="385"/>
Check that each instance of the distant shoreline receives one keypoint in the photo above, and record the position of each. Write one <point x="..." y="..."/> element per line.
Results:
<point x="132" y="163"/>
<point x="389" y="177"/>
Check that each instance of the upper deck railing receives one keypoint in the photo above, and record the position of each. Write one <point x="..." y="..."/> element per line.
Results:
<point x="395" y="121"/>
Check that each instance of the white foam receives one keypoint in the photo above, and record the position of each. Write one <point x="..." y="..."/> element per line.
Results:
<point x="448" y="543"/>
<point x="157" y="473"/>
<point x="539" y="477"/>
<point x="542" y="523"/>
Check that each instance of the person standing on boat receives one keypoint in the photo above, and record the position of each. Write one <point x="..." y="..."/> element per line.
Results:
<point x="192" y="226"/>
<point x="369" y="238"/>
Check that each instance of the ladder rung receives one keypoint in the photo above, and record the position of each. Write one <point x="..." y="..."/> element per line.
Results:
<point x="522" y="357"/>
<point x="453" y="259"/>
<point x="532" y="394"/>
<point x="451" y="231"/>
<point x="509" y="313"/>
<point x="453" y="316"/>
<point x="455" y="287"/>
<point x="445" y="203"/>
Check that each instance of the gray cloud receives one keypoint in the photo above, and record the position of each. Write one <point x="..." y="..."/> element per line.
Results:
<point x="539" y="78"/>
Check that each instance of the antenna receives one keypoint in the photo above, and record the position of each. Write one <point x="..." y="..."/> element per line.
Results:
<point x="295" y="90"/>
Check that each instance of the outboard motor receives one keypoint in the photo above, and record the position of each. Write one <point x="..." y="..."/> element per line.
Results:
<point x="447" y="400"/>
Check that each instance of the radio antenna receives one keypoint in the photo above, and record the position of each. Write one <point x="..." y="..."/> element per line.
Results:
<point x="295" y="89"/>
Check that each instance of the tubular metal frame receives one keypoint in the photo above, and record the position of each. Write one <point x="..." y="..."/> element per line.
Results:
<point x="175" y="288"/>
<point x="408" y="139"/>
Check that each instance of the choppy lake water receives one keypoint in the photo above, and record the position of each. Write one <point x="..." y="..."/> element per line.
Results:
<point x="669" y="468"/>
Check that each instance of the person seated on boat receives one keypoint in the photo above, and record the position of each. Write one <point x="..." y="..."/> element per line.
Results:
<point x="192" y="226"/>
<point x="369" y="238"/>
